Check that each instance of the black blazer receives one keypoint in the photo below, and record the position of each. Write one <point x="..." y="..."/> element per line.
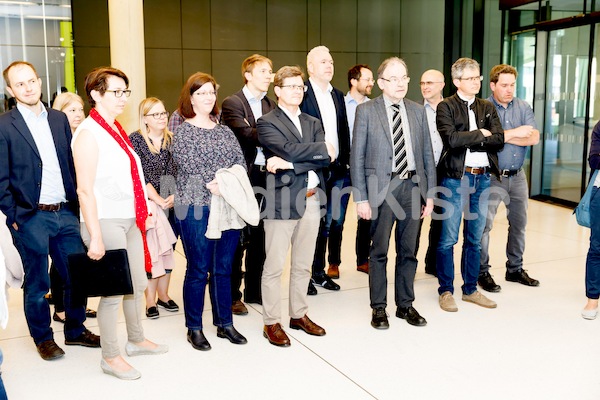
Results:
<point x="237" y="115"/>
<point x="311" y="107"/>
<point x="21" y="165"/>
<point x="286" y="190"/>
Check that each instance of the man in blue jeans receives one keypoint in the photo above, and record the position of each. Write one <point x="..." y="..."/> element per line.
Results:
<point x="472" y="135"/>
<point x="520" y="132"/>
<point x="38" y="197"/>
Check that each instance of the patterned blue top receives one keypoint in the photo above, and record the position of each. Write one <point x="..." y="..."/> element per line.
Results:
<point x="199" y="153"/>
<point x="517" y="113"/>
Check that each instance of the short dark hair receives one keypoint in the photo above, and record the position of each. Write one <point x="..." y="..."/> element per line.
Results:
<point x="285" y="72"/>
<point x="502" y="69"/>
<point x="14" y="64"/>
<point x="195" y="82"/>
<point x="97" y="79"/>
<point x="355" y="73"/>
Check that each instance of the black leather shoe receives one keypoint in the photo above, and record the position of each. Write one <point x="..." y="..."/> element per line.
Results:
<point x="57" y="318"/>
<point x="49" y="350"/>
<point x="232" y="334"/>
<point x="198" y="340"/>
<point x="486" y="282"/>
<point x="411" y="316"/>
<point x="325" y="282"/>
<point x="312" y="290"/>
<point x="86" y="339"/>
<point x="379" y="319"/>
<point x="521" y="277"/>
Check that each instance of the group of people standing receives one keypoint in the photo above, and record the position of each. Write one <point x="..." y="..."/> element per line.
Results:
<point x="203" y="174"/>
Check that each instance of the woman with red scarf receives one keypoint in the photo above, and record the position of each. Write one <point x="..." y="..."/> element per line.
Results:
<point x="113" y="203"/>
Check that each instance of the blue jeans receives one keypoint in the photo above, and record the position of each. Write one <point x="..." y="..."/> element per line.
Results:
<point x="208" y="261"/>
<point x="54" y="233"/>
<point x="592" y="264"/>
<point x="2" y="389"/>
<point x="330" y="231"/>
<point x="468" y="195"/>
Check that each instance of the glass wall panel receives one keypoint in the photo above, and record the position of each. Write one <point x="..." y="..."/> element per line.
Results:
<point x="39" y="32"/>
<point x="564" y="124"/>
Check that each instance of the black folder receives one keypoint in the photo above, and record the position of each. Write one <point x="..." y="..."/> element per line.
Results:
<point x="109" y="276"/>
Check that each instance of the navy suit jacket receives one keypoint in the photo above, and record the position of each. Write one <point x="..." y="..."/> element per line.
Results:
<point x="237" y="115"/>
<point x="21" y="165"/>
<point x="286" y="190"/>
<point x="311" y="107"/>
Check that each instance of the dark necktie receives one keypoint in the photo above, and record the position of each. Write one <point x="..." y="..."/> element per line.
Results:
<point x="400" y="161"/>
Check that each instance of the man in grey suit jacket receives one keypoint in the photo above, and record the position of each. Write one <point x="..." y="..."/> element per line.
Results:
<point x="296" y="153"/>
<point x="393" y="170"/>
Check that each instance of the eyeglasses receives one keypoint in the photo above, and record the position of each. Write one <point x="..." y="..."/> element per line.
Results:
<point x="472" y="79"/>
<point x="395" y="80"/>
<point x="120" y="93"/>
<point x="370" y="80"/>
<point x="158" y="115"/>
<point x="428" y="83"/>
<point x="206" y="94"/>
<point x="304" y="88"/>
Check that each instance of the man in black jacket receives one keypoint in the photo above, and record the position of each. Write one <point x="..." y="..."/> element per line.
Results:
<point x="472" y="135"/>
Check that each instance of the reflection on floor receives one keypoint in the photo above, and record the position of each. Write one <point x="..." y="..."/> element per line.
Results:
<point x="535" y="345"/>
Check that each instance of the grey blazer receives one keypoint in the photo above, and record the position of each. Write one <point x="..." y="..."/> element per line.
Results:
<point x="372" y="151"/>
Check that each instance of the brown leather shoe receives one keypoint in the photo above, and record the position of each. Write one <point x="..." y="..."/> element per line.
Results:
<point x="276" y="335"/>
<point x="49" y="350"/>
<point x="238" y="308"/>
<point x="363" y="268"/>
<point x="307" y="326"/>
<point x="333" y="271"/>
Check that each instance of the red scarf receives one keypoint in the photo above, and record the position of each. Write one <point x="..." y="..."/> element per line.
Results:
<point x="141" y="206"/>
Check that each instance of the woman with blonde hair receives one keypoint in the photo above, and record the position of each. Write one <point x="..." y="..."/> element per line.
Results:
<point x="153" y="144"/>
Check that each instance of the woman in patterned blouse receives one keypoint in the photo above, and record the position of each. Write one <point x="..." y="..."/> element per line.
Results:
<point x="200" y="148"/>
<point x="153" y="144"/>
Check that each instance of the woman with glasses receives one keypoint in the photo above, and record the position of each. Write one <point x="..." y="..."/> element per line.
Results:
<point x="112" y="196"/>
<point x="153" y="144"/>
<point x="200" y="148"/>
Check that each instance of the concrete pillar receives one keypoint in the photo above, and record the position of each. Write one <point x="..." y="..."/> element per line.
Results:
<point x="126" y="25"/>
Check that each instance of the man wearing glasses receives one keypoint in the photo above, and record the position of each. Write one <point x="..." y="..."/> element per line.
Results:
<point x="326" y="103"/>
<point x="38" y="197"/>
<point x="360" y="81"/>
<point x="296" y="154"/>
<point x="240" y="112"/>
<point x="472" y="135"/>
<point x="393" y="170"/>
<point x="432" y="83"/>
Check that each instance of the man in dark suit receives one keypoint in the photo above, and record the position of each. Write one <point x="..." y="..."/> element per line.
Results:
<point x="240" y="112"/>
<point x="326" y="103"/>
<point x="393" y="172"/>
<point x="296" y="153"/>
<point x="37" y="194"/>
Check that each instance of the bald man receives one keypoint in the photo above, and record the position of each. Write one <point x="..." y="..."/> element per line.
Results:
<point x="432" y="83"/>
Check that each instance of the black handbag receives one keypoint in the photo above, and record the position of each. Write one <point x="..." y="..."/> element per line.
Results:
<point x="109" y="276"/>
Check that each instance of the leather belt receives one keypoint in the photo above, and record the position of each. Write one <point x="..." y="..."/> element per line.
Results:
<point x="477" y="170"/>
<point x="50" y="207"/>
<point x="407" y="174"/>
<point x="261" y="168"/>
<point x="311" y="192"/>
<point x="509" y="172"/>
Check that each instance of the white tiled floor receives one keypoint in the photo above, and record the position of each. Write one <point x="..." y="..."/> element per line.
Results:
<point x="535" y="345"/>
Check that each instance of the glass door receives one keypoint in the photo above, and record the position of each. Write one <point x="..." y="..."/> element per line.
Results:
<point x="564" y="120"/>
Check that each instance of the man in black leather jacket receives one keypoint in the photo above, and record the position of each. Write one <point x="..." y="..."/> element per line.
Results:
<point x="472" y="135"/>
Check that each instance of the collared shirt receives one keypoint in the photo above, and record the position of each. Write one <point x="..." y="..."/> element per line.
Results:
<point x="351" y="105"/>
<point x="518" y="113"/>
<point x="256" y="106"/>
<point x="328" y="114"/>
<point x="313" y="178"/>
<point x="474" y="158"/>
<point x="436" y="139"/>
<point x="175" y="120"/>
<point x="53" y="188"/>
<point x="410" y="158"/>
